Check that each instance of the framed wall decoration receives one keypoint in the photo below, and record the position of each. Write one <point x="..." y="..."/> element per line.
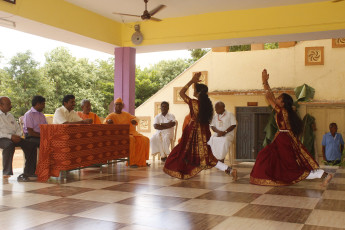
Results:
<point x="338" y="43"/>
<point x="177" y="98"/>
<point x="144" y="124"/>
<point x="314" y="55"/>
<point x="157" y="108"/>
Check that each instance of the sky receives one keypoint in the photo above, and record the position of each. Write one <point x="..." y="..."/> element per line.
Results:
<point x="13" y="42"/>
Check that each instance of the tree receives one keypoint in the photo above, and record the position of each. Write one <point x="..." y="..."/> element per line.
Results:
<point x="23" y="80"/>
<point x="240" y="48"/>
<point x="150" y="80"/>
<point x="105" y="84"/>
<point x="68" y="75"/>
<point x="198" y="53"/>
<point x="268" y="46"/>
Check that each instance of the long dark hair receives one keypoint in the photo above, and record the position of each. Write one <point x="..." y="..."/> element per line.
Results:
<point x="205" y="104"/>
<point x="294" y="120"/>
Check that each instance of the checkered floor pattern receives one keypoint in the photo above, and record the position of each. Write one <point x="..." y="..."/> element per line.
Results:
<point x="118" y="197"/>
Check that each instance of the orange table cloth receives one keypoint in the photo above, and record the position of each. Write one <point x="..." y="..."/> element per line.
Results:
<point x="67" y="147"/>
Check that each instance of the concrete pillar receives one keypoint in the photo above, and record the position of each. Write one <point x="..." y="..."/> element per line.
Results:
<point x="257" y="46"/>
<point x="221" y="49"/>
<point x="124" y="79"/>
<point x="286" y="44"/>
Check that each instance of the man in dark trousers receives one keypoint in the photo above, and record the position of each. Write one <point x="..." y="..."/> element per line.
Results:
<point x="10" y="137"/>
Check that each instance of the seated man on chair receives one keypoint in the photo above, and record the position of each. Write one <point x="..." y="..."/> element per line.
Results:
<point x="223" y="124"/>
<point x="10" y="137"/>
<point x="86" y="113"/>
<point x="139" y="144"/>
<point x="66" y="114"/>
<point x="164" y="124"/>
<point x="33" y="119"/>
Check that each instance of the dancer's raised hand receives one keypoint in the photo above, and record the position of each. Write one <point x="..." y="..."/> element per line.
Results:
<point x="265" y="76"/>
<point x="196" y="77"/>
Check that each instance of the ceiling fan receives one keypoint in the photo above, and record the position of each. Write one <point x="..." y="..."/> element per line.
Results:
<point x="146" y="15"/>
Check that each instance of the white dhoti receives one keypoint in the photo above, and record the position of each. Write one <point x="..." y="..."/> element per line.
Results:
<point x="160" y="143"/>
<point x="220" y="145"/>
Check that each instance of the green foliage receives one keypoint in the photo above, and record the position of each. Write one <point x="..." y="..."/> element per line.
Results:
<point x="67" y="75"/>
<point x="240" y="48"/>
<point x="268" y="46"/>
<point x="197" y="53"/>
<point x="22" y="81"/>
<point x="150" y="80"/>
<point x="61" y="74"/>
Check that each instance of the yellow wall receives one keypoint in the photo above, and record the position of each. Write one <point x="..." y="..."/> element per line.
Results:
<point x="66" y="16"/>
<point x="301" y="18"/>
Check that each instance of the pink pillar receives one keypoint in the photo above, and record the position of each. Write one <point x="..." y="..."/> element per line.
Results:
<point x="124" y="79"/>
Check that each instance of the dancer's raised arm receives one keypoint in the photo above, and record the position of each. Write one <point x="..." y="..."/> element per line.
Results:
<point x="195" y="79"/>
<point x="268" y="92"/>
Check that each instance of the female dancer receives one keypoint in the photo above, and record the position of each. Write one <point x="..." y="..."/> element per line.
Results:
<point x="285" y="161"/>
<point x="193" y="154"/>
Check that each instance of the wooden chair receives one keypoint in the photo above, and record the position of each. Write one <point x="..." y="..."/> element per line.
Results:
<point x="172" y="144"/>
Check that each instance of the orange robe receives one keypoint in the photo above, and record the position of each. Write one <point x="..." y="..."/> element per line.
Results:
<point x="91" y="115"/>
<point x="139" y="145"/>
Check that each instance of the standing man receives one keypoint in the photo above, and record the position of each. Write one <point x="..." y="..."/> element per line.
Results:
<point x="332" y="145"/>
<point x="10" y="137"/>
<point x="66" y="114"/>
<point x="223" y="124"/>
<point x="33" y="119"/>
<point x="139" y="144"/>
<point x="164" y="124"/>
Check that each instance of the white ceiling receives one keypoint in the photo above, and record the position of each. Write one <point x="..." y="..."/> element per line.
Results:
<point x="176" y="8"/>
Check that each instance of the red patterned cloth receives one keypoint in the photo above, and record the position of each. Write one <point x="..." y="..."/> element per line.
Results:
<point x="66" y="147"/>
<point x="192" y="154"/>
<point x="285" y="161"/>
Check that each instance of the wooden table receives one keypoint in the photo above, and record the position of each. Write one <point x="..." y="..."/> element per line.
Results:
<point x="67" y="147"/>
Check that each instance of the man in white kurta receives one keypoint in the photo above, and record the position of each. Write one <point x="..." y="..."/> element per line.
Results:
<point x="223" y="125"/>
<point x="66" y="114"/>
<point x="164" y="124"/>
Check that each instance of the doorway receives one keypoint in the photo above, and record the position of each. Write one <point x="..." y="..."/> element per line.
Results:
<point x="251" y="122"/>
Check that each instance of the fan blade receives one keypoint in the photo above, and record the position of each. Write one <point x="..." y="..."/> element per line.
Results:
<point x="155" y="19"/>
<point x="335" y="1"/>
<point x="132" y="15"/>
<point x="155" y="10"/>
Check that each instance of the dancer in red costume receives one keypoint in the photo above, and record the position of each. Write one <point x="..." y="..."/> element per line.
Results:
<point x="285" y="161"/>
<point x="193" y="154"/>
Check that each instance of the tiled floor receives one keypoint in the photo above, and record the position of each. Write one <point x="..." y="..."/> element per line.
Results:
<point x="145" y="199"/>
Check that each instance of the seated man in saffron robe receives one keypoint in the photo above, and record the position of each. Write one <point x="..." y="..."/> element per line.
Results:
<point x="139" y="144"/>
<point x="86" y="113"/>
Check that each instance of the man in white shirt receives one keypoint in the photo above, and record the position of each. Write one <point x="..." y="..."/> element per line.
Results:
<point x="66" y="114"/>
<point x="223" y="124"/>
<point x="10" y="137"/>
<point x="164" y="124"/>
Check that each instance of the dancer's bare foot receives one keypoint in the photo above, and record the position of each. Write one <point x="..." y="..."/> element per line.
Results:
<point x="234" y="174"/>
<point x="327" y="180"/>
